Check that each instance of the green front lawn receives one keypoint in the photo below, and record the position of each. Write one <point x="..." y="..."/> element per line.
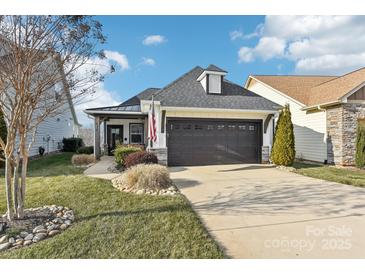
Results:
<point x="349" y="176"/>
<point x="109" y="223"/>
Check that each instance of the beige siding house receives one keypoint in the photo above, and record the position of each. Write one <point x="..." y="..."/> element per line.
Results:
<point x="325" y="111"/>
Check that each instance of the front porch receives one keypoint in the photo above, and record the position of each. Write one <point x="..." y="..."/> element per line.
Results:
<point x="113" y="130"/>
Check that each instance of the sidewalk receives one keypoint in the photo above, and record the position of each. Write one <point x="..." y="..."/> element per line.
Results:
<point x="100" y="169"/>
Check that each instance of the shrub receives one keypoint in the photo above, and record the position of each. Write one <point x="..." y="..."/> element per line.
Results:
<point x="71" y="144"/>
<point x="82" y="159"/>
<point x="121" y="152"/>
<point x="144" y="176"/>
<point x="140" y="157"/>
<point x="85" y="150"/>
<point x="283" y="150"/>
<point x="360" y="146"/>
<point x="41" y="150"/>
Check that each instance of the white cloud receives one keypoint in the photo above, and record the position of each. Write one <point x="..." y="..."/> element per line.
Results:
<point x="245" y="55"/>
<point x="117" y="57"/>
<point x="316" y="44"/>
<point x="267" y="48"/>
<point x="100" y="95"/>
<point x="154" y="40"/>
<point x="235" y="35"/>
<point x="148" y="61"/>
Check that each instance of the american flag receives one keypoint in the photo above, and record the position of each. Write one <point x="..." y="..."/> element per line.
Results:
<point x="152" y="123"/>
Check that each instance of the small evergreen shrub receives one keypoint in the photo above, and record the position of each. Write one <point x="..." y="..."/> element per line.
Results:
<point x="149" y="177"/>
<point x="122" y="151"/>
<point x="71" y="144"/>
<point x="283" y="150"/>
<point x="360" y="146"/>
<point x="140" y="157"/>
<point x="85" y="150"/>
<point x="82" y="159"/>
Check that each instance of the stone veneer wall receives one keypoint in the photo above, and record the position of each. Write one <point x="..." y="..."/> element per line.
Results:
<point x="341" y="129"/>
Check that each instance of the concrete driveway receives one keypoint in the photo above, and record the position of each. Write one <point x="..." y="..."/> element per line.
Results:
<point x="257" y="211"/>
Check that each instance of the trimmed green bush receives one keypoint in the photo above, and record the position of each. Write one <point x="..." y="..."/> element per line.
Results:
<point x="121" y="152"/>
<point x="140" y="157"/>
<point x="85" y="150"/>
<point x="283" y="150"/>
<point x="71" y="144"/>
<point x="360" y="146"/>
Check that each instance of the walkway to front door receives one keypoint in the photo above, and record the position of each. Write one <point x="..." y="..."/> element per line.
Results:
<point x="257" y="211"/>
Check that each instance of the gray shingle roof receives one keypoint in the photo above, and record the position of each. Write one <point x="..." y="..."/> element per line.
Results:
<point x="212" y="67"/>
<point x="186" y="91"/>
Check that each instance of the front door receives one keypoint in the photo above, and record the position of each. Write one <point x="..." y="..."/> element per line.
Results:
<point x="115" y="137"/>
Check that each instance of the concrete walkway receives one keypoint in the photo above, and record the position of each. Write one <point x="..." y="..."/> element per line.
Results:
<point x="100" y="169"/>
<point x="257" y="211"/>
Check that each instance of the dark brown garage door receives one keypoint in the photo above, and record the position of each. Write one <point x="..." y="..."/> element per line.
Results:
<point x="209" y="142"/>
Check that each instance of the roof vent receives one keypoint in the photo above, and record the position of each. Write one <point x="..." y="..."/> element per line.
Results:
<point x="211" y="79"/>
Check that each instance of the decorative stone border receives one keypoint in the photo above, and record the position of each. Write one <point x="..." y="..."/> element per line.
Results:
<point x="172" y="190"/>
<point x="55" y="220"/>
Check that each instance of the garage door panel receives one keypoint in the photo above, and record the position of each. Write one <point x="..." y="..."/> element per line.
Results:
<point x="203" y="142"/>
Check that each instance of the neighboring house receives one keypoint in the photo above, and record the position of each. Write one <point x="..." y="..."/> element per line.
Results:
<point x="325" y="112"/>
<point x="54" y="128"/>
<point x="201" y="119"/>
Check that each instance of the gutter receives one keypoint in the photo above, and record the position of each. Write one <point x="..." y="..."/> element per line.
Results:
<point x="322" y="106"/>
<point x="114" y="112"/>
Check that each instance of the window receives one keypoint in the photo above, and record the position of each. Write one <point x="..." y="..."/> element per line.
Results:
<point x="198" y="127"/>
<point x="187" y="126"/>
<point x="231" y="127"/>
<point x="136" y="133"/>
<point x="251" y="128"/>
<point x="210" y="127"/>
<point x="241" y="127"/>
<point x="220" y="127"/>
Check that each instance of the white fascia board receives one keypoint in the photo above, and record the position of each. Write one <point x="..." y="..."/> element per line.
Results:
<point x="205" y="72"/>
<point x="321" y="106"/>
<point x="188" y="109"/>
<point x="277" y="91"/>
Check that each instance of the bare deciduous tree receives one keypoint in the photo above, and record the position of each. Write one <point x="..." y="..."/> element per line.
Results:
<point x="40" y="62"/>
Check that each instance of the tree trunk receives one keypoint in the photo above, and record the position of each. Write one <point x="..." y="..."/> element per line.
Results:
<point x="23" y="184"/>
<point x="16" y="184"/>
<point x="9" y="202"/>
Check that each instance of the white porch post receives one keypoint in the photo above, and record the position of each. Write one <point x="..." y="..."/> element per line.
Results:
<point x="97" y="152"/>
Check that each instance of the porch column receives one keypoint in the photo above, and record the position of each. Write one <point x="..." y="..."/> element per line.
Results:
<point x="97" y="152"/>
<point x="105" y="145"/>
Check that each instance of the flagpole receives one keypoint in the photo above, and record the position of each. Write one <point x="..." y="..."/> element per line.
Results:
<point x="149" y="125"/>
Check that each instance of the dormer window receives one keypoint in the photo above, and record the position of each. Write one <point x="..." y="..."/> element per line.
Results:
<point x="211" y="79"/>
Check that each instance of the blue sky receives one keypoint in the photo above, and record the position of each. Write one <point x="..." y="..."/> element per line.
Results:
<point x="151" y="51"/>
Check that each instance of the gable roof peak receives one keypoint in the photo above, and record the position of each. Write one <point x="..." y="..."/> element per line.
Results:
<point x="212" y="67"/>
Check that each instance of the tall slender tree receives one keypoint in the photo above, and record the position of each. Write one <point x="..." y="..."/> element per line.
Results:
<point x="360" y="146"/>
<point x="40" y="62"/>
<point x="283" y="150"/>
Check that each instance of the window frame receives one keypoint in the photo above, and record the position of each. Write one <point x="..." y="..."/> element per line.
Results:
<point x="130" y="133"/>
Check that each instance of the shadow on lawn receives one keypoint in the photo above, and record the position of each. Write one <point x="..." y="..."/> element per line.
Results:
<point x="161" y="209"/>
